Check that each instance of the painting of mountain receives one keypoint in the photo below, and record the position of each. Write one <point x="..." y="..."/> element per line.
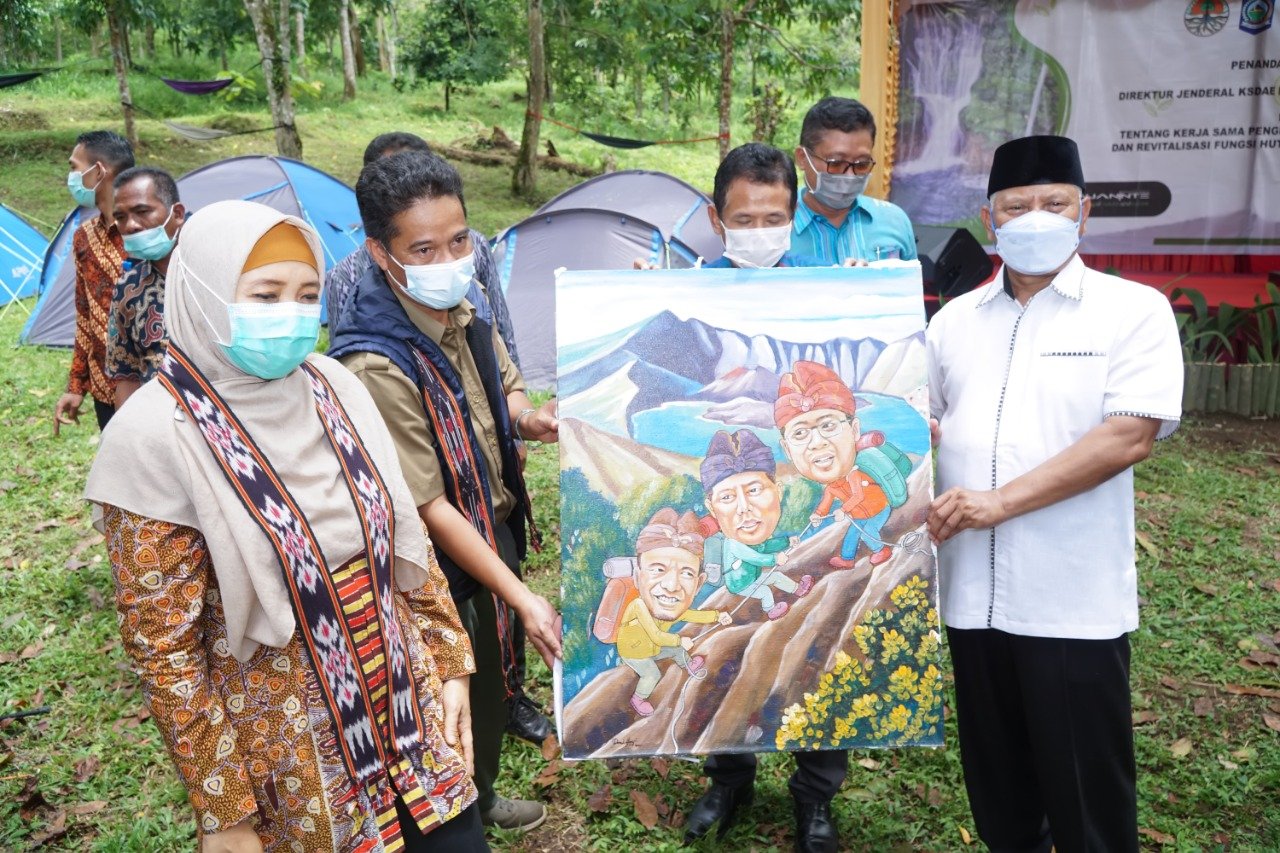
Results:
<point x="744" y="484"/>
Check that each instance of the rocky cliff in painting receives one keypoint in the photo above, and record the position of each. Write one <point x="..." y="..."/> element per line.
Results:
<point x="758" y="669"/>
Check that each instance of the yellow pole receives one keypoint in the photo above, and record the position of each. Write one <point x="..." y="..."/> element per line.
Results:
<point x="880" y="85"/>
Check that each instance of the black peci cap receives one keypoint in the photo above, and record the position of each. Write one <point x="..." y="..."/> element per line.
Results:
<point x="1035" y="160"/>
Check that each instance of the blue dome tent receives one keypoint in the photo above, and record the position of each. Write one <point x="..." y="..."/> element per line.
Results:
<point x="22" y="250"/>
<point x="289" y="186"/>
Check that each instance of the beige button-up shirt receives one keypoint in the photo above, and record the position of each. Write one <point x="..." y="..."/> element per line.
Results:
<point x="400" y="403"/>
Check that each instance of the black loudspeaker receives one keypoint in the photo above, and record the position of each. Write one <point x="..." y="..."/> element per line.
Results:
<point x="952" y="259"/>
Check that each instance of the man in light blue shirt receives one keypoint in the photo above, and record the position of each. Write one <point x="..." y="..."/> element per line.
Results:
<point x="834" y="221"/>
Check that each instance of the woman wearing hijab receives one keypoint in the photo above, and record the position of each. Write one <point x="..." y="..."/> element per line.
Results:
<point x="294" y="634"/>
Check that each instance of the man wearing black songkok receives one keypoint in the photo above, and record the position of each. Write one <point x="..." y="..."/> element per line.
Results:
<point x="1049" y="384"/>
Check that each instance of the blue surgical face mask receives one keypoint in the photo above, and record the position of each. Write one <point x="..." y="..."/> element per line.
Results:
<point x="152" y="244"/>
<point x="268" y="340"/>
<point x="438" y="286"/>
<point x="837" y="192"/>
<point x="84" y="196"/>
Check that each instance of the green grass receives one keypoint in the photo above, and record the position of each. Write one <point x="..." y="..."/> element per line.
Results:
<point x="1207" y="566"/>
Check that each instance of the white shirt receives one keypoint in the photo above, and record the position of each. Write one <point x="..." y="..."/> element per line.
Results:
<point x="1013" y="386"/>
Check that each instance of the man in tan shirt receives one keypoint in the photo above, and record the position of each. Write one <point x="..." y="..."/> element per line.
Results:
<point x="438" y="371"/>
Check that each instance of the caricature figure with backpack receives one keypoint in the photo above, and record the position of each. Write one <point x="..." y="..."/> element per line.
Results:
<point x="647" y="595"/>
<point x="739" y="479"/>
<point x="817" y="415"/>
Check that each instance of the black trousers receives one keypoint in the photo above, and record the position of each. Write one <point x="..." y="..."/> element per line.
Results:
<point x="1046" y="741"/>
<point x="463" y="834"/>
<point x="819" y="774"/>
<point x="103" y="411"/>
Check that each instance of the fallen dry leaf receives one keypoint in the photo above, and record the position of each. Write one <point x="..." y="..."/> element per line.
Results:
<point x="1203" y="707"/>
<point x="1148" y="546"/>
<point x="56" y="828"/>
<point x="551" y="747"/>
<point x="73" y="564"/>
<point x="1141" y="718"/>
<point x="1228" y="765"/>
<point x="92" y="807"/>
<point x="1250" y="690"/>
<point x="95" y="597"/>
<point x="1264" y="658"/>
<point x="549" y="775"/>
<point x="46" y="524"/>
<point x="32" y="650"/>
<point x="663" y="808"/>
<point x="31" y="801"/>
<point x="964" y="835"/>
<point x="1171" y="682"/>
<point x="601" y="800"/>
<point x="1207" y="588"/>
<point x="1272" y="721"/>
<point x="646" y="811"/>
<point x="661" y="766"/>
<point x="1157" y="836"/>
<point x="869" y="764"/>
<point x="86" y="768"/>
<point x="1181" y="747"/>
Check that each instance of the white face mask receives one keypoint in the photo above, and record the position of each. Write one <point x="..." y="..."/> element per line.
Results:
<point x="1038" y="242"/>
<point x="438" y="286"/>
<point x="757" y="247"/>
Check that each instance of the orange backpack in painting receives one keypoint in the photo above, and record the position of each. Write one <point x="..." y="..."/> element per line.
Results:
<point x="618" y="595"/>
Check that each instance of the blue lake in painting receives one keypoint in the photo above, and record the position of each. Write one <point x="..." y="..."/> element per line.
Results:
<point x="680" y="427"/>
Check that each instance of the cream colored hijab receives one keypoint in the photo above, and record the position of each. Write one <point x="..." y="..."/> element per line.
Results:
<point x="154" y="462"/>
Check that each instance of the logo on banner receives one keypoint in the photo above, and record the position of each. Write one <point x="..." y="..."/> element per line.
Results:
<point x="1129" y="198"/>
<point x="1256" y="15"/>
<point x="1206" y="17"/>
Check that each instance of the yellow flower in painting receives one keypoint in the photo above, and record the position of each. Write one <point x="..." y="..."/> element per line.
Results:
<point x="899" y="717"/>
<point x="894" y="645"/>
<point x="903" y="682"/>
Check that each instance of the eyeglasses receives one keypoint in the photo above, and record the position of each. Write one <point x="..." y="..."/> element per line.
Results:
<point x="827" y="428"/>
<point x="844" y="167"/>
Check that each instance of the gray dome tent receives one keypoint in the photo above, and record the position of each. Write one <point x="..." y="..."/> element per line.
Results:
<point x="604" y="223"/>
<point x="289" y="186"/>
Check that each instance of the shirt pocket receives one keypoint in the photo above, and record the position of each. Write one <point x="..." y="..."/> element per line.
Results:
<point x="1071" y="385"/>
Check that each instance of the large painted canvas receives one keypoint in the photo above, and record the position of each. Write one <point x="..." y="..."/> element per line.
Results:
<point x="745" y="475"/>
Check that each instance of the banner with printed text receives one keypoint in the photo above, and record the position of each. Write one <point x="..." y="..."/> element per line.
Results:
<point x="1175" y="106"/>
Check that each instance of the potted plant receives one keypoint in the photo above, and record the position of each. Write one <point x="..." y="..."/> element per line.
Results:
<point x="1256" y="385"/>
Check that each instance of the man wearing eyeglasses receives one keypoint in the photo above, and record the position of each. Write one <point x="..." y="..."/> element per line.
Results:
<point x="834" y="221"/>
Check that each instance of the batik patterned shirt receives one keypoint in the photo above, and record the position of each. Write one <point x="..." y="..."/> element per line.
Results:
<point x="99" y="256"/>
<point x="135" y="334"/>
<point x="254" y="739"/>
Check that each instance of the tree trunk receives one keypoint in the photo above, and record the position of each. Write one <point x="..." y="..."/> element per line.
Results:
<point x="95" y="42"/>
<point x="357" y="40"/>
<point x="300" y="35"/>
<point x="348" y="53"/>
<point x="116" y="27"/>
<point x="149" y="37"/>
<point x="393" y="43"/>
<point x="275" y="69"/>
<point x="384" y="54"/>
<point x="728" y="23"/>
<point x="128" y="45"/>
<point x="448" y="90"/>
<point x="524" y="179"/>
<point x="57" y="38"/>
<point x="637" y="92"/>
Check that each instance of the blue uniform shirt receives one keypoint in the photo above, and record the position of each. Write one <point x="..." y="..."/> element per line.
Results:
<point x="788" y="259"/>
<point x="872" y="231"/>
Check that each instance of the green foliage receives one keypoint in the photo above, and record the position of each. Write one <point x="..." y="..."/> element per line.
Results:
<point x="889" y="694"/>
<point x="765" y="111"/>
<point x="799" y="497"/>
<point x="1207" y="335"/>
<point x="680" y="492"/>
<point x="463" y="41"/>
<point x="1263" y="345"/>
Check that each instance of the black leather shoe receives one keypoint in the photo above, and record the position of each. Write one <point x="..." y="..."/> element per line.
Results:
<point x="526" y="721"/>
<point x="816" y="828"/>
<point x="720" y="803"/>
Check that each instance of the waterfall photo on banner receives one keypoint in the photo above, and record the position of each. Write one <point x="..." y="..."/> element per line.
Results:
<point x="745" y="477"/>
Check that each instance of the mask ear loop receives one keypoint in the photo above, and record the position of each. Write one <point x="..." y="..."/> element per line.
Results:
<point x="187" y="273"/>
